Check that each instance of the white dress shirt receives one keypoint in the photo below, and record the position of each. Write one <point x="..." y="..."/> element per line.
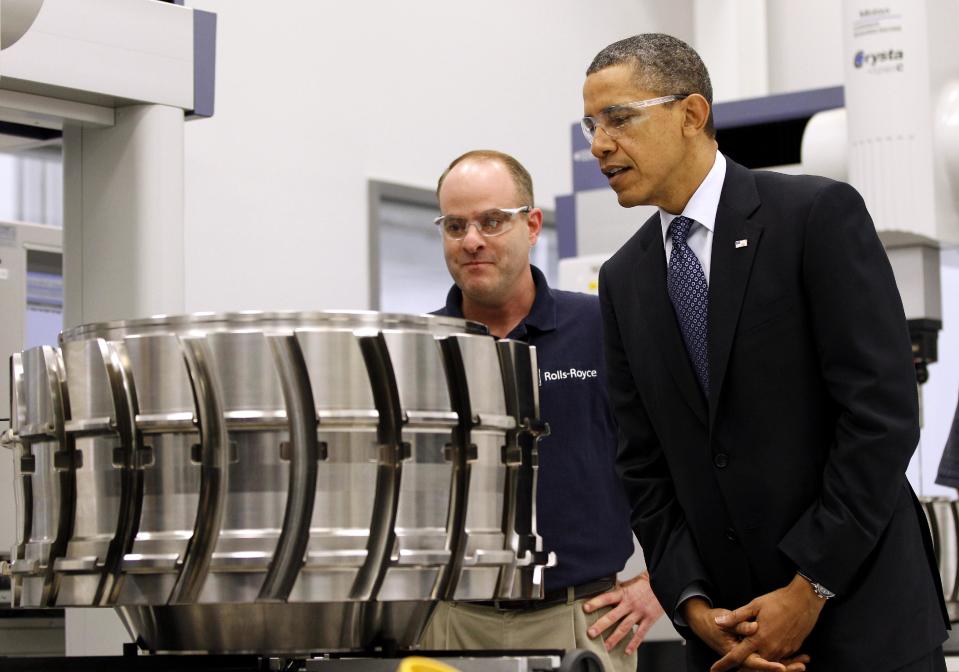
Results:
<point x="701" y="209"/>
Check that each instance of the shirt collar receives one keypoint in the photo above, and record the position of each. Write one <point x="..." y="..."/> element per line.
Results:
<point x="704" y="202"/>
<point x="541" y="317"/>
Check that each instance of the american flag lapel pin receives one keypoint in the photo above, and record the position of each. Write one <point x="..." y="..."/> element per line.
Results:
<point x="741" y="243"/>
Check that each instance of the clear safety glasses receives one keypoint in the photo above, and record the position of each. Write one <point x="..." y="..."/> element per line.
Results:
<point x="615" y="119"/>
<point x="491" y="223"/>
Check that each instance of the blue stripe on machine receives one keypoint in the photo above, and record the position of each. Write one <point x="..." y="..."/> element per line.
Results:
<point x="204" y="63"/>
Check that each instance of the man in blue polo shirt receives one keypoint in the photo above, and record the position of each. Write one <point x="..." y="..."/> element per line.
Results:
<point x="488" y="226"/>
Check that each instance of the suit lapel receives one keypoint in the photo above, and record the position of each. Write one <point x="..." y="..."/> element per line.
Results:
<point x="731" y="263"/>
<point x="660" y="317"/>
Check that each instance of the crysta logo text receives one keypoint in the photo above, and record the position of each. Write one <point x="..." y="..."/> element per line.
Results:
<point x="877" y="58"/>
<point x="569" y="373"/>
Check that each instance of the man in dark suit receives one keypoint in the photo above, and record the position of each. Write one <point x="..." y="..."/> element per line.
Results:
<point x="760" y="371"/>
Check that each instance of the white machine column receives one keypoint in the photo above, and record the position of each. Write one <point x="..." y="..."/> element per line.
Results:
<point x="900" y="67"/>
<point x="123" y="216"/>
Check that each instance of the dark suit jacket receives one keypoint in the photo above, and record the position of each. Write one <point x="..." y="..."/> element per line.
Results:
<point x="797" y="459"/>
<point x="948" y="473"/>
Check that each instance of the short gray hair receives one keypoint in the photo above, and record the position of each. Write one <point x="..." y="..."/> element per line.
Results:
<point x="663" y="64"/>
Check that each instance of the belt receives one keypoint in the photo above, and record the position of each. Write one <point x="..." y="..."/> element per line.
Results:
<point x="554" y="596"/>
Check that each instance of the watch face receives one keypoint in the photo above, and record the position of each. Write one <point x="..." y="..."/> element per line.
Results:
<point x="822" y="591"/>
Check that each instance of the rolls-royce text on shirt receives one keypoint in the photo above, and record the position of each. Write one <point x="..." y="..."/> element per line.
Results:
<point x="582" y="512"/>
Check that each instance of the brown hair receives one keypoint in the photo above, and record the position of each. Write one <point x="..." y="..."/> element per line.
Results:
<point x="521" y="177"/>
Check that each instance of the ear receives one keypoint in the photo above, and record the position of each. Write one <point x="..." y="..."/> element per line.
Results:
<point x="535" y="223"/>
<point x="696" y="114"/>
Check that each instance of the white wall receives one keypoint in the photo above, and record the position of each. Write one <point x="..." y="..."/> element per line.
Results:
<point x="730" y="36"/>
<point x="804" y="42"/>
<point x="315" y="98"/>
<point x="759" y="47"/>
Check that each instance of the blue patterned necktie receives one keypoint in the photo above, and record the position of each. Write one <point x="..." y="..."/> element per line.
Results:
<point x="686" y="284"/>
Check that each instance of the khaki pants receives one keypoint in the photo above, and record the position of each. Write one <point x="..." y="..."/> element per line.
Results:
<point x="459" y="625"/>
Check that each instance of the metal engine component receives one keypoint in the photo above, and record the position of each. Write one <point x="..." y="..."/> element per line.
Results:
<point x="289" y="482"/>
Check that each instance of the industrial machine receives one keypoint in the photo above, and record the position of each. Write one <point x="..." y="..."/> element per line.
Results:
<point x="31" y="302"/>
<point x="116" y="82"/>
<point x="276" y="483"/>
<point x="905" y="161"/>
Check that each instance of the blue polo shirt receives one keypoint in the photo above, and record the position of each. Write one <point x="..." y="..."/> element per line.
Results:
<point x="582" y="513"/>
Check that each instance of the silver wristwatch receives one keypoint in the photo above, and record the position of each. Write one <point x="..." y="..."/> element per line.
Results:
<point x="821" y="591"/>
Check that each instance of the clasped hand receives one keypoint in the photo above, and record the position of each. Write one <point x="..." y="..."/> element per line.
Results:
<point x="765" y="634"/>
